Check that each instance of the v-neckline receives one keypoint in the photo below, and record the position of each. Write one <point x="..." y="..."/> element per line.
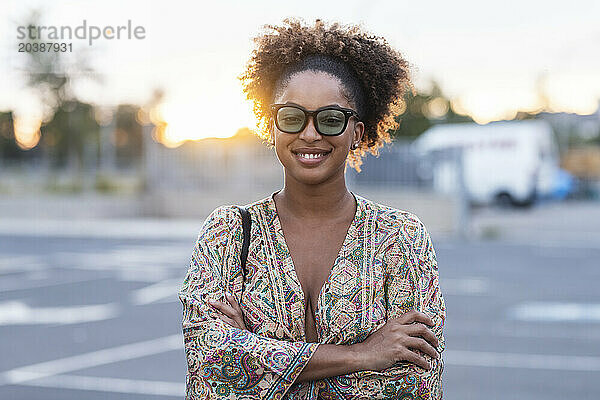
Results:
<point x="294" y="275"/>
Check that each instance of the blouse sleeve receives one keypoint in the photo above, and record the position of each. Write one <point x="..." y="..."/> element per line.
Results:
<point x="413" y="283"/>
<point x="223" y="361"/>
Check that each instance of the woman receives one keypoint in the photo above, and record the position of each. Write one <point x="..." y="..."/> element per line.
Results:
<point x="340" y="298"/>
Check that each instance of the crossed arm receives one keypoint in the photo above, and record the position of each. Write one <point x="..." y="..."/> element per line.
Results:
<point x="225" y="358"/>
<point x="396" y="341"/>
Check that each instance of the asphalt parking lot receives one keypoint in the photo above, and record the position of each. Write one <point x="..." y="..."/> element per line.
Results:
<point x="89" y="315"/>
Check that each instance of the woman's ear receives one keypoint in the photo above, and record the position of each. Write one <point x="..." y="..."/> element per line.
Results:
<point x="359" y="130"/>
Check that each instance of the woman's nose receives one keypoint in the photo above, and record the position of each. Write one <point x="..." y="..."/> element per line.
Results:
<point x="310" y="134"/>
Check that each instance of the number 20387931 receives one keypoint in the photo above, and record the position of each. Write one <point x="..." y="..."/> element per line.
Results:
<point x="45" y="47"/>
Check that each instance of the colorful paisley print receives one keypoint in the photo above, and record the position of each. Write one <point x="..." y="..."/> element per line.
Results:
<point x="387" y="266"/>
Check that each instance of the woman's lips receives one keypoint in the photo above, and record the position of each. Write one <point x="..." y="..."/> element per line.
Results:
<point x="311" y="159"/>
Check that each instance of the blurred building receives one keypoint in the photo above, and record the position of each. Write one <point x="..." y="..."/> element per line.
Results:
<point x="574" y="129"/>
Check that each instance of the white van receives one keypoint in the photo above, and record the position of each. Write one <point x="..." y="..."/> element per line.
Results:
<point x="508" y="162"/>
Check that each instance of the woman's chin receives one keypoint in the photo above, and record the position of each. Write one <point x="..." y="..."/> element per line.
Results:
<point x="313" y="176"/>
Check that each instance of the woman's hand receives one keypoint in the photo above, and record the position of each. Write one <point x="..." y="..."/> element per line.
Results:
<point x="397" y="341"/>
<point x="230" y="313"/>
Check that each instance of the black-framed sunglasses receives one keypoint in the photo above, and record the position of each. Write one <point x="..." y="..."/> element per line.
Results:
<point x="328" y="120"/>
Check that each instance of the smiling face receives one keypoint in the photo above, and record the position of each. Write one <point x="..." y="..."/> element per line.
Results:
<point x="309" y="157"/>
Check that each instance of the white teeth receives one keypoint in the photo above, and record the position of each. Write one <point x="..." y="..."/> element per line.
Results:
<point x="311" y="155"/>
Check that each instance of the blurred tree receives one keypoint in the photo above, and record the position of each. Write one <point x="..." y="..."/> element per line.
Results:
<point x="522" y="115"/>
<point x="424" y="109"/>
<point x="9" y="149"/>
<point x="128" y="135"/>
<point x="71" y="130"/>
<point x="71" y="133"/>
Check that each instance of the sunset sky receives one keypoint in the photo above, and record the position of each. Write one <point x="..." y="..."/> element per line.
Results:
<point x="490" y="58"/>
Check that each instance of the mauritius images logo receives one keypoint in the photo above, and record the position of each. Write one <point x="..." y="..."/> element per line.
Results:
<point x="84" y="31"/>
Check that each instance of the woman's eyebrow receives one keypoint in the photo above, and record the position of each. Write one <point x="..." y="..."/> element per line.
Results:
<point x="291" y="103"/>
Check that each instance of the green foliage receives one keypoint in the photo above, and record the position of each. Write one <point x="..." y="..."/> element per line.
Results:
<point x="118" y="184"/>
<point x="58" y="186"/>
<point x="71" y="135"/>
<point x="9" y="149"/>
<point x="423" y="110"/>
<point x="71" y="131"/>
<point x="128" y="135"/>
<point x="490" y="232"/>
<point x="105" y="185"/>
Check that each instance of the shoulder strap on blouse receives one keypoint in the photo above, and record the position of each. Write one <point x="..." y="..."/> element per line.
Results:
<point x="246" y="225"/>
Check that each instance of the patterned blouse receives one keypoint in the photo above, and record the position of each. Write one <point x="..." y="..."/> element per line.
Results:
<point x="386" y="267"/>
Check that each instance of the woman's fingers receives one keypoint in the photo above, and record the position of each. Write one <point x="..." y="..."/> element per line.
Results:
<point x="223" y="307"/>
<point x="228" y="320"/>
<point x="415" y="316"/>
<point x="233" y="301"/>
<point x="420" y="330"/>
<point x="420" y="337"/>
<point x="420" y="344"/>
<point x="239" y="318"/>
<point x="416" y="359"/>
<point x="234" y="304"/>
<point x="232" y="310"/>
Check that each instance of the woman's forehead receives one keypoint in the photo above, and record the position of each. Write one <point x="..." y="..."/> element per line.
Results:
<point x="313" y="89"/>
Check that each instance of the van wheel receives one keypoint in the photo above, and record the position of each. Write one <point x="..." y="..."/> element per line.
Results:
<point x="504" y="200"/>
<point x="528" y="202"/>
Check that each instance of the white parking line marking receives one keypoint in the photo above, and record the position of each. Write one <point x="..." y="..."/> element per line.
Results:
<point x="92" y="359"/>
<point x="127" y="228"/>
<point x="19" y="313"/>
<point x="114" y="385"/>
<point x="556" y="312"/>
<point x="451" y="357"/>
<point x="20" y="264"/>
<point x="167" y="289"/>
<point x="529" y="361"/>
<point x="465" y="286"/>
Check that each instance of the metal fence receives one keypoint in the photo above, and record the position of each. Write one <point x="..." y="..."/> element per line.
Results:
<point x="395" y="165"/>
<point x="250" y="164"/>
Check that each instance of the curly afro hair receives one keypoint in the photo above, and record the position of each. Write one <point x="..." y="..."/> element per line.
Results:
<point x="374" y="75"/>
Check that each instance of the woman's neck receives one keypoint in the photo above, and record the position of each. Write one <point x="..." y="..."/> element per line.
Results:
<point x="324" y="200"/>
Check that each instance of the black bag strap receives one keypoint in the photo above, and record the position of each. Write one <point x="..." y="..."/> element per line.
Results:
<point x="246" y="225"/>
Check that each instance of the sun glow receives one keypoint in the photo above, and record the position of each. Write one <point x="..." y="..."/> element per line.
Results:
<point x="27" y="132"/>
<point x="488" y="109"/>
<point x="203" y="118"/>
<point x="487" y="106"/>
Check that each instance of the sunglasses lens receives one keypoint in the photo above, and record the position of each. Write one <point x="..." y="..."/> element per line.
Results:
<point x="331" y="122"/>
<point x="290" y="119"/>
